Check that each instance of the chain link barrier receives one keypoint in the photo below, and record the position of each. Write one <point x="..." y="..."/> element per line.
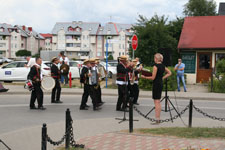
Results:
<point x="161" y="121"/>
<point x="68" y="132"/>
<point x="207" y="115"/>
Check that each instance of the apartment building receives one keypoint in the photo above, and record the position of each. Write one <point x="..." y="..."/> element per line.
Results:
<point x="83" y="40"/>
<point x="14" y="38"/>
<point x="48" y="41"/>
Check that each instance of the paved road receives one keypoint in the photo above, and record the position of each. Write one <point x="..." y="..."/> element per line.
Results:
<point x="15" y="113"/>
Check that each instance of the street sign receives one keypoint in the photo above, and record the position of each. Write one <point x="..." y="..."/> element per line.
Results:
<point x="134" y="42"/>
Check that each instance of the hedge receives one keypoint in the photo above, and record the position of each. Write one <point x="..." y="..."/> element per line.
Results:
<point x="171" y="83"/>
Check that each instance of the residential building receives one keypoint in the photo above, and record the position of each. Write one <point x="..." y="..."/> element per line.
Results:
<point x="201" y="45"/>
<point x="14" y="38"/>
<point x="83" y="40"/>
<point x="48" y="41"/>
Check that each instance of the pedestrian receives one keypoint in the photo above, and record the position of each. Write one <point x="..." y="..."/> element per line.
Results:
<point x="37" y="93"/>
<point x="180" y="74"/>
<point x="84" y="78"/>
<point x="55" y="72"/>
<point x="64" y="68"/>
<point x="157" y="77"/>
<point x="30" y="62"/>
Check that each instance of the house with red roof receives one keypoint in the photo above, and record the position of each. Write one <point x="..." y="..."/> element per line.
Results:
<point x="48" y="40"/>
<point x="202" y="44"/>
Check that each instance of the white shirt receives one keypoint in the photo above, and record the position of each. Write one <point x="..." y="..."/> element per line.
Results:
<point x="31" y="62"/>
<point x="66" y="60"/>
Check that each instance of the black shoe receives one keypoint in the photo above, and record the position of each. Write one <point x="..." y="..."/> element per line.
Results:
<point x="41" y="108"/>
<point x="83" y="108"/>
<point x="136" y="104"/>
<point x="87" y="106"/>
<point x="96" y="108"/>
<point x="58" y="102"/>
<point x="33" y="107"/>
<point x="53" y="102"/>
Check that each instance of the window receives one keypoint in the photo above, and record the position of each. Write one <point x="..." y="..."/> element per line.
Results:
<point x="119" y="54"/>
<point x="123" y="46"/>
<point x="99" y="53"/>
<point x="123" y="53"/>
<point x="87" y="37"/>
<point x="21" y="64"/>
<point x="12" y="65"/>
<point x="2" y="44"/>
<point x="83" y="37"/>
<point x="11" y="45"/>
<point x="119" y="46"/>
<point x="204" y="61"/>
<point x="15" y="45"/>
<point x="99" y="38"/>
<point x="69" y="44"/>
<point x="220" y="56"/>
<point x="15" y="37"/>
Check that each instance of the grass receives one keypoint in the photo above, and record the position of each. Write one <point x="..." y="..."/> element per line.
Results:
<point x="186" y="132"/>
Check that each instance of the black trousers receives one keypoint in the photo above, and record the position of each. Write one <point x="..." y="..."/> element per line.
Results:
<point x="37" y="93"/>
<point x="123" y="97"/>
<point x="93" y="95"/>
<point x="85" y="96"/>
<point x="135" y="90"/>
<point x="99" y="94"/>
<point x="56" y="91"/>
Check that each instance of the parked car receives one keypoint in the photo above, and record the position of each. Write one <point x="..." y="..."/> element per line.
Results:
<point x="1" y="61"/>
<point x="5" y="60"/>
<point x="113" y="63"/>
<point x="75" y="72"/>
<point x="111" y="69"/>
<point x="16" y="71"/>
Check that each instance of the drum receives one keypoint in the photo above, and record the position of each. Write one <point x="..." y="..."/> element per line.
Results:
<point x="146" y="72"/>
<point x="29" y="85"/>
<point x="48" y="83"/>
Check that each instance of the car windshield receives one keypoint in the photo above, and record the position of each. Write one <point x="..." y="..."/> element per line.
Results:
<point x="73" y="64"/>
<point x="12" y="65"/>
<point x="49" y="64"/>
<point x="104" y="64"/>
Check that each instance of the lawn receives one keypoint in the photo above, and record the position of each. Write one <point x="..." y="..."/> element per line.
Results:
<point x="186" y="132"/>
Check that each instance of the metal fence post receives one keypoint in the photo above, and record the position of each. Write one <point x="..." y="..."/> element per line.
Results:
<point x="44" y="137"/>
<point x="190" y="113"/>
<point x="131" y="115"/>
<point x="67" y="142"/>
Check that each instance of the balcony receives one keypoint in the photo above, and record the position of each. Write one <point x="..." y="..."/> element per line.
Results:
<point x="73" y="48"/>
<point x="73" y="41"/>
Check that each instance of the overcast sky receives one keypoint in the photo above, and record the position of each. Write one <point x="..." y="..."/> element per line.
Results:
<point x="43" y="14"/>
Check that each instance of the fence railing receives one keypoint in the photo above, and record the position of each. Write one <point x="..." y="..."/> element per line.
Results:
<point x="3" y="146"/>
<point x="68" y="136"/>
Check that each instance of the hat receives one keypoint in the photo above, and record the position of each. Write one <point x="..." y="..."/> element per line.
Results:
<point x="134" y="60"/>
<point x="123" y="57"/>
<point x="92" y="60"/>
<point x="97" y="58"/>
<point x="86" y="61"/>
<point x="54" y="59"/>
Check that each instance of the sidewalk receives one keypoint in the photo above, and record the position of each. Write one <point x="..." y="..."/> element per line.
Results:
<point x="195" y="92"/>
<point x="103" y="134"/>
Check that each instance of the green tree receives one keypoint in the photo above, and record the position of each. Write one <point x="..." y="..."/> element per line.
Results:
<point x="23" y="52"/>
<point x="153" y="36"/>
<point x="200" y="8"/>
<point x="110" y="57"/>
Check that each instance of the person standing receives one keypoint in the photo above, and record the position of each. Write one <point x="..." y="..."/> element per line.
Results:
<point x="180" y="74"/>
<point x="122" y="81"/>
<point x="37" y="93"/>
<point x="85" y="80"/>
<point x="64" y="67"/>
<point x="93" y="82"/>
<point x="55" y="72"/>
<point x="157" y="77"/>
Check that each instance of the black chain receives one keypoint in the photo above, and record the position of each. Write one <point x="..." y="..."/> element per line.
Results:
<point x="207" y="115"/>
<point x="161" y="121"/>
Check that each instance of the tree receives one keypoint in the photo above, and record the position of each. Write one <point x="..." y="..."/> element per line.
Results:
<point x="153" y="36"/>
<point x="200" y="8"/>
<point x="23" y="52"/>
<point x="110" y="57"/>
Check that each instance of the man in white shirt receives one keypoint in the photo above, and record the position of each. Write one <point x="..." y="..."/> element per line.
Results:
<point x="30" y="61"/>
<point x="63" y="60"/>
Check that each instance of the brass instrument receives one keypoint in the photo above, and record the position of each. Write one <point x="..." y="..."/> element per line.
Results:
<point x="146" y="72"/>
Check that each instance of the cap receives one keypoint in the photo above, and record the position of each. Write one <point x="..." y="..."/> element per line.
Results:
<point x="92" y="60"/>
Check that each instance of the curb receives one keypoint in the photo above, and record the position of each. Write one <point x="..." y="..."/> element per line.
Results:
<point x="112" y="94"/>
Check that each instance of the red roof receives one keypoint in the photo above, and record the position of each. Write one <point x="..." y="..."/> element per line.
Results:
<point x="47" y="35"/>
<point x="204" y="32"/>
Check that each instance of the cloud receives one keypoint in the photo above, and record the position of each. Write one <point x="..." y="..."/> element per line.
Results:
<point x="43" y="14"/>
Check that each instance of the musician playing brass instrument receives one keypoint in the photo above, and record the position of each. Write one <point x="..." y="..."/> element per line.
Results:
<point x="134" y="79"/>
<point x="98" y="88"/>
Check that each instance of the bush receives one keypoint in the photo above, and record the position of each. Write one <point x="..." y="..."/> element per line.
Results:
<point x="23" y="52"/>
<point x="171" y="83"/>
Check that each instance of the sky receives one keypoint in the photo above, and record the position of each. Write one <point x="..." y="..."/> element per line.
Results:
<point x="43" y="14"/>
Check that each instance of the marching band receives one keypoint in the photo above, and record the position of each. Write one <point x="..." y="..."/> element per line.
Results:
<point x="91" y="76"/>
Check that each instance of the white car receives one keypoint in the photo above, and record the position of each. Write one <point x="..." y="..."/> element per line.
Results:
<point x="16" y="71"/>
<point x="111" y="69"/>
<point x="75" y="72"/>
